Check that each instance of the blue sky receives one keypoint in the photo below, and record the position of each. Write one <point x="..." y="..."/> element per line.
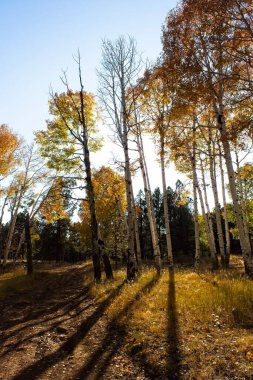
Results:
<point x="38" y="39"/>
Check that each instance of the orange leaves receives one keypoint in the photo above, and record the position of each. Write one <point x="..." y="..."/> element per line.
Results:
<point x="110" y="202"/>
<point x="9" y="142"/>
<point x="109" y="189"/>
<point x="53" y="207"/>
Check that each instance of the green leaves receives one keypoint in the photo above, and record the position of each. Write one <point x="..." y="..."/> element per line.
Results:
<point x="62" y="143"/>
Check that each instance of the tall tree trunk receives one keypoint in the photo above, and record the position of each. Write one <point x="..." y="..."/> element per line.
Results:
<point x="90" y="193"/>
<point x="29" y="260"/>
<point x="211" y="243"/>
<point x="94" y="224"/>
<point x="218" y="107"/>
<point x="1" y="221"/>
<point x="157" y="235"/>
<point x="11" y="230"/>
<point x="242" y="198"/>
<point x="209" y="216"/>
<point x="212" y="165"/>
<point x="91" y="198"/>
<point x="20" y="243"/>
<point x="136" y="234"/>
<point x="131" y="261"/>
<point x="165" y="202"/>
<point x="106" y="261"/>
<point x="60" y="243"/>
<point x="151" y="216"/>
<point x="132" y="265"/>
<point x="227" y="232"/>
<point x="195" y="200"/>
<point x="244" y="239"/>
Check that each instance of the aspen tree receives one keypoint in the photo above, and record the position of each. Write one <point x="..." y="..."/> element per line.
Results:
<point x="200" y="34"/>
<point x="225" y="214"/>
<point x="119" y="69"/>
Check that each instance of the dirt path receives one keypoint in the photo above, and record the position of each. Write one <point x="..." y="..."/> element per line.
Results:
<point x="55" y="331"/>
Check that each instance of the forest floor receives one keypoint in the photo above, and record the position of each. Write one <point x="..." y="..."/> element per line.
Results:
<point x="57" y="324"/>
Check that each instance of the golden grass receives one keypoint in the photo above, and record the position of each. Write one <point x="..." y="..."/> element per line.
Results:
<point x="15" y="281"/>
<point x="212" y="313"/>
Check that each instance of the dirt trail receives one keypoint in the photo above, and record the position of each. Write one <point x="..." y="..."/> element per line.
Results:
<point x="55" y="331"/>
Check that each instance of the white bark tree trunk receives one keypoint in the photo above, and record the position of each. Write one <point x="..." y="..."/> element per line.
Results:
<point x="136" y="232"/>
<point x="211" y="242"/>
<point x="11" y="230"/>
<point x="244" y="239"/>
<point x="165" y="203"/>
<point x="242" y="198"/>
<point x="212" y="165"/>
<point x="195" y="200"/>
<point x="208" y="208"/>
<point x="227" y="232"/>
<point x="151" y="216"/>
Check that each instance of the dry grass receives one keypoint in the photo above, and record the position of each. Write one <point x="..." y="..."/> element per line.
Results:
<point x="203" y="320"/>
<point x="15" y="281"/>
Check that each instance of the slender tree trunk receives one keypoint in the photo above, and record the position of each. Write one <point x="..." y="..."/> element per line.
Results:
<point x="106" y="261"/>
<point x="211" y="243"/>
<point x="157" y="235"/>
<point x="244" y="239"/>
<point x="165" y="203"/>
<point x="151" y="216"/>
<point x="60" y="243"/>
<point x="208" y="209"/>
<point x="136" y="234"/>
<point x="218" y="108"/>
<point x="131" y="261"/>
<point x="195" y="201"/>
<point x="91" y="197"/>
<point x="11" y="230"/>
<point x="216" y="202"/>
<point x="94" y="224"/>
<point x="1" y="221"/>
<point x="227" y="232"/>
<point x="196" y="222"/>
<point x="29" y="259"/>
<point x="242" y="198"/>
<point x="2" y="211"/>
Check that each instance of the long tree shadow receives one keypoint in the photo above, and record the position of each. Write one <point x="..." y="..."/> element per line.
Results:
<point x="35" y="370"/>
<point x="62" y="309"/>
<point x="57" y="321"/>
<point x="173" y="355"/>
<point x="173" y="343"/>
<point x="30" y="300"/>
<point x="114" y="339"/>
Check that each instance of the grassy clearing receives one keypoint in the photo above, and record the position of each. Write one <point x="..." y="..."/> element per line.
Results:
<point x="17" y="280"/>
<point x="199" y="324"/>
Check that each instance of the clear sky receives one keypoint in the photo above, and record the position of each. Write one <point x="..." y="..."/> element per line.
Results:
<point x="39" y="37"/>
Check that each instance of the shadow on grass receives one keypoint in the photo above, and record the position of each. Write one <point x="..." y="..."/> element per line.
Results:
<point x="173" y="348"/>
<point x="113" y="340"/>
<point x="173" y="355"/>
<point x="39" y="367"/>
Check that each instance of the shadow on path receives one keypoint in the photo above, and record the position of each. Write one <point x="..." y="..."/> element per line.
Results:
<point x="39" y="367"/>
<point x="114" y="339"/>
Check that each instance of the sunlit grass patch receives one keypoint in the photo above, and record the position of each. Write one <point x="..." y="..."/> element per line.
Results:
<point x="209" y="313"/>
<point x="15" y="281"/>
<point x="101" y="291"/>
<point x="226" y="293"/>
